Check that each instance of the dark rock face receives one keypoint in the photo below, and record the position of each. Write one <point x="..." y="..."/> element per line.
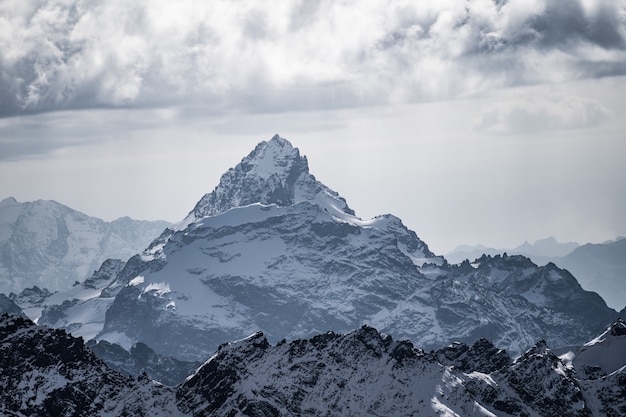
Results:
<point x="482" y="356"/>
<point x="141" y="359"/>
<point x="542" y="382"/>
<point x="618" y="328"/>
<point x="272" y="173"/>
<point x="317" y="268"/>
<point x="366" y="373"/>
<point x="9" y="307"/>
<point x="46" y="372"/>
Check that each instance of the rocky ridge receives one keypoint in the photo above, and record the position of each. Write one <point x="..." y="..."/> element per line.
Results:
<point x="273" y="249"/>
<point x="364" y="372"/>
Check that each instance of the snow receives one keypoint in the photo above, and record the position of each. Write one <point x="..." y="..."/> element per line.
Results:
<point x="154" y="252"/>
<point x="160" y="288"/>
<point x="252" y="213"/>
<point x="486" y="378"/>
<point x="535" y="296"/>
<point x="483" y="411"/>
<point x="605" y="351"/>
<point x="442" y="409"/>
<point x="567" y="359"/>
<point x="276" y="157"/>
<point x="136" y="281"/>
<point x="10" y="211"/>
<point x="38" y="385"/>
<point x="117" y="337"/>
<point x="53" y="246"/>
<point x="560" y="369"/>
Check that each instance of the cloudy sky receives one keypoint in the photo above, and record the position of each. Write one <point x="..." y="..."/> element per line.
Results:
<point x="475" y="121"/>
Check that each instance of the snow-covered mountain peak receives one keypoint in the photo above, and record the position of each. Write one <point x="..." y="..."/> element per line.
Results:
<point x="50" y="245"/>
<point x="273" y="173"/>
<point x="602" y="355"/>
<point x="275" y="157"/>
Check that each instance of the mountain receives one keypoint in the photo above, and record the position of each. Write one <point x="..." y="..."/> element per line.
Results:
<point x="80" y="309"/>
<point x="366" y="373"/>
<point x="273" y="249"/>
<point x="8" y="306"/>
<point x="471" y="252"/>
<point x="270" y="248"/>
<point x="601" y="268"/>
<point x="598" y="267"/>
<point x="540" y="252"/>
<point x="548" y="247"/>
<point x="143" y="360"/>
<point x="49" y="245"/>
<point x="48" y="372"/>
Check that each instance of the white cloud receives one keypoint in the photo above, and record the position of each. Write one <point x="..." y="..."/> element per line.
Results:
<point x="535" y="114"/>
<point x="277" y="55"/>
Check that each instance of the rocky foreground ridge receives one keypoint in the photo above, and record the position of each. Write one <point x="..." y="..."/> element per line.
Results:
<point x="47" y="372"/>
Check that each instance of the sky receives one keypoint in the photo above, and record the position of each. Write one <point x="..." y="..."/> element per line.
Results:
<point x="474" y="121"/>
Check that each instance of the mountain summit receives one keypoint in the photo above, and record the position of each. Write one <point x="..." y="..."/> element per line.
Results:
<point x="273" y="249"/>
<point x="273" y="173"/>
<point x="269" y="248"/>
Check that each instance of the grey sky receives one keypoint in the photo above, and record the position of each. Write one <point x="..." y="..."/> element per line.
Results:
<point x="482" y="121"/>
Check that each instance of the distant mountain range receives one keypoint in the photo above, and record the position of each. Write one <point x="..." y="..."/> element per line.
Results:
<point x="541" y="252"/>
<point x="48" y="372"/>
<point x="272" y="249"/>
<point x="598" y="267"/>
<point x="52" y="246"/>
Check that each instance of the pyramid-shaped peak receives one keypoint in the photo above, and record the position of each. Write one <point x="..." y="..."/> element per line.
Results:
<point x="273" y="173"/>
<point x="274" y="157"/>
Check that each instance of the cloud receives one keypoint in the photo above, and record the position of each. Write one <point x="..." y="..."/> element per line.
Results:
<point x="39" y="136"/>
<point x="535" y="114"/>
<point x="275" y="55"/>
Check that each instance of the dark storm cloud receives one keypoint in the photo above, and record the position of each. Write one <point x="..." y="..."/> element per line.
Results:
<point x="278" y="56"/>
<point x="561" y="26"/>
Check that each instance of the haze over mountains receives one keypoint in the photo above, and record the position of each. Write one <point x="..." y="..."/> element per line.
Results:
<point x="272" y="249"/>
<point x="599" y="267"/>
<point x="52" y="246"/>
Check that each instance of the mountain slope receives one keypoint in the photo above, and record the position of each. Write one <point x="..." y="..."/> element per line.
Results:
<point x="366" y="373"/>
<point x="291" y="271"/>
<point x="273" y="173"/>
<point x="273" y="249"/>
<point x="49" y="245"/>
<point x="600" y="268"/>
<point x="142" y="360"/>
<point x="48" y="372"/>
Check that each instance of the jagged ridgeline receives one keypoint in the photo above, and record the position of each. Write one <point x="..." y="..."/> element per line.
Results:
<point x="273" y="249"/>
<point x="49" y="245"/>
<point x="46" y="372"/>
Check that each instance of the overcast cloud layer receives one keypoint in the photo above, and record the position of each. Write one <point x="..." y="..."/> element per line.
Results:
<point x="475" y="121"/>
<point x="285" y="55"/>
